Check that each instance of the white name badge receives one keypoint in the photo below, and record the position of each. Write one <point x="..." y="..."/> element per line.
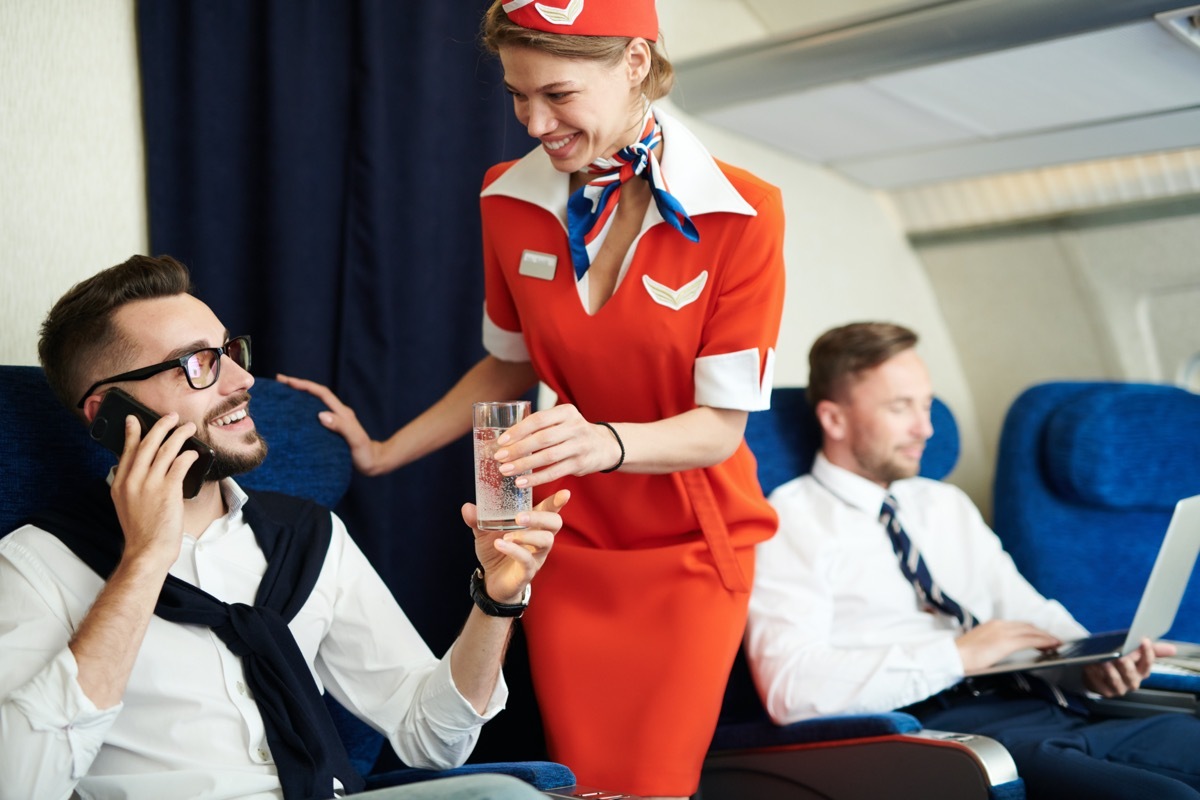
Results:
<point x="538" y="265"/>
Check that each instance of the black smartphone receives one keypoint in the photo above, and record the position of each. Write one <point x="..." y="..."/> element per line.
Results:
<point x="108" y="428"/>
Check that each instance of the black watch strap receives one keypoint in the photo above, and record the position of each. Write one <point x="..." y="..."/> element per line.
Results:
<point x="489" y="606"/>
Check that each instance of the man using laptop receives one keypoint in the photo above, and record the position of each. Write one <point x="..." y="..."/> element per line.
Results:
<point x="885" y="591"/>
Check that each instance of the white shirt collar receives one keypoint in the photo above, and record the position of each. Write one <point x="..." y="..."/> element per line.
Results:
<point x="692" y="176"/>
<point x="853" y="490"/>
<point x="234" y="496"/>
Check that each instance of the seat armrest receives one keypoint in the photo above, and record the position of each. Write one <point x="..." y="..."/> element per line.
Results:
<point x="541" y="775"/>
<point x="907" y="766"/>
<point x="1146" y="702"/>
<point x="1177" y="673"/>
<point x="1173" y="682"/>
<point x="820" y="729"/>
<point x="995" y="761"/>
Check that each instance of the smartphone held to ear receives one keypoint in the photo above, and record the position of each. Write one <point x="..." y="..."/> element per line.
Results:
<point x="108" y="428"/>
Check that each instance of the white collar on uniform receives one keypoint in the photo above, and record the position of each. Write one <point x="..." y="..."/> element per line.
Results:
<point x="692" y="176"/>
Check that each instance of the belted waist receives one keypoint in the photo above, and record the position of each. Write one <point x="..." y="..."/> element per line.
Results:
<point x="966" y="690"/>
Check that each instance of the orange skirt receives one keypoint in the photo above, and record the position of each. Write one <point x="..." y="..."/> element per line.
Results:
<point x="630" y="651"/>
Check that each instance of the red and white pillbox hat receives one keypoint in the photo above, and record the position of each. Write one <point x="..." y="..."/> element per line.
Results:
<point x="586" y="17"/>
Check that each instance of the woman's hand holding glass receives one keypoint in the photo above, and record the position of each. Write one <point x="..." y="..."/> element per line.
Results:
<point x="510" y="559"/>
<point x="555" y="443"/>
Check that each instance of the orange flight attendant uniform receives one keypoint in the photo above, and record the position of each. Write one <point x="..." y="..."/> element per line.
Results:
<point x="641" y="610"/>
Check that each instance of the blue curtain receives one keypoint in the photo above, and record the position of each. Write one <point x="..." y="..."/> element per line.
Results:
<point x="317" y="165"/>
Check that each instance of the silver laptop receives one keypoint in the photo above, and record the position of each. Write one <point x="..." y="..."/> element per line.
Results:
<point x="1155" y="613"/>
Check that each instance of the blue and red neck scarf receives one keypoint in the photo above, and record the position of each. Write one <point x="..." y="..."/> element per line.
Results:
<point x="590" y="207"/>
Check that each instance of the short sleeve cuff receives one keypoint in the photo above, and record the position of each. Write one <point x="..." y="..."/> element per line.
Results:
<point x="732" y="380"/>
<point x="504" y="345"/>
<point x="54" y="702"/>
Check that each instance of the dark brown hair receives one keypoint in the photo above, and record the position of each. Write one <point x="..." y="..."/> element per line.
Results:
<point x="78" y="337"/>
<point x="841" y="354"/>
<point x="498" y="31"/>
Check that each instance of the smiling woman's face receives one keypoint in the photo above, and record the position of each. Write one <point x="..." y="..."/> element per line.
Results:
<point x="580" y="110"/>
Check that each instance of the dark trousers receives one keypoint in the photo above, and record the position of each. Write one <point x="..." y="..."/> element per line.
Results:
<point x="1062" y="755"/>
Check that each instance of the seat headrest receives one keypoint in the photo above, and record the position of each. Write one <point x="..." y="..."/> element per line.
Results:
<point x="786" y="437"/>
<point x="46" y="453"/>
<point x="1125" y="446"/>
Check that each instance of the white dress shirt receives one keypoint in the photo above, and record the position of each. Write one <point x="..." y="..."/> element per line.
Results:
<point x="835" y="627"/>
<point x="187" y="726"/>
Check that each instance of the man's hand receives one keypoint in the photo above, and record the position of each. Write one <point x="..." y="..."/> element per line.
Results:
<point x="1122" y="675"/>
<point x="147" y="489"/>
<point x="996" y="639"/>
<point x="510" y="559"/>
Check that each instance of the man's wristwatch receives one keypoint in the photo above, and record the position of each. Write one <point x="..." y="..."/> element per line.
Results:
<point x="489" y="606"/>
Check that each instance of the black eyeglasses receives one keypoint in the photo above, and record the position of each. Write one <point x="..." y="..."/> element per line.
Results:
<point x="201" y="367"/>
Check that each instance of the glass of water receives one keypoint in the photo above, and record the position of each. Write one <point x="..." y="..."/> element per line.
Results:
<point x="497" y="497"/>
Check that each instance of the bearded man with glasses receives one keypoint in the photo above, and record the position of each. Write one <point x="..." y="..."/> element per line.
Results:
<point x="160" y="647"/>
<point x="202" y="368"/>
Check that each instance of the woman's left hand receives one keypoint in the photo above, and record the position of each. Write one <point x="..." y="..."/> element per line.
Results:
<point x="510" y="559"/>
<point x="554" y="443"/>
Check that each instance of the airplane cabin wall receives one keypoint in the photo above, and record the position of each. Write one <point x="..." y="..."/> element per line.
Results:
<point x="1104" y="289"/>
<point x="848" y="260"/>
<point x="74" y="196"/>
<point x="1109" y="295"/>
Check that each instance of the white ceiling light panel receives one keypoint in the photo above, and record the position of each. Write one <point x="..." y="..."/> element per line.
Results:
<point x="1130" y="89"/>
<point x="838" y="122"/>
<point x="1122" y="72"/>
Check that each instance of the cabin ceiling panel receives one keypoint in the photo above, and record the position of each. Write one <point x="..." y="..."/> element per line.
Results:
<point x="1169" y="131"/>
<point x="800" y="15"/>
<point x="904" y="94"/>
<point x="1126" y="71"/>
<point x="840" y="122"/>
<point x="693" y="28"/>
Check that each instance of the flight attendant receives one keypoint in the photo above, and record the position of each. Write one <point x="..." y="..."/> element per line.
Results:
<point x="642" y="281"/>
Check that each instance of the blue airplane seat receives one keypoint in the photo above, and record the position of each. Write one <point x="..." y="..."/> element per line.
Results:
<point x="1087" y="477"/>
<point x="845" y="757"/>
<point x="46" y="453"/>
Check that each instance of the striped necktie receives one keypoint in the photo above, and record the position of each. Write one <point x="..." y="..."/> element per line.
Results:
<point x="932" y="598"/>
<point x="929" y="594"/>
<point x="590" y="208"/>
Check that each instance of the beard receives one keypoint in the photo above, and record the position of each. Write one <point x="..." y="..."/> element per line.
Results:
<point x="227" y="464"/>
<point x="885" y="467"/>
